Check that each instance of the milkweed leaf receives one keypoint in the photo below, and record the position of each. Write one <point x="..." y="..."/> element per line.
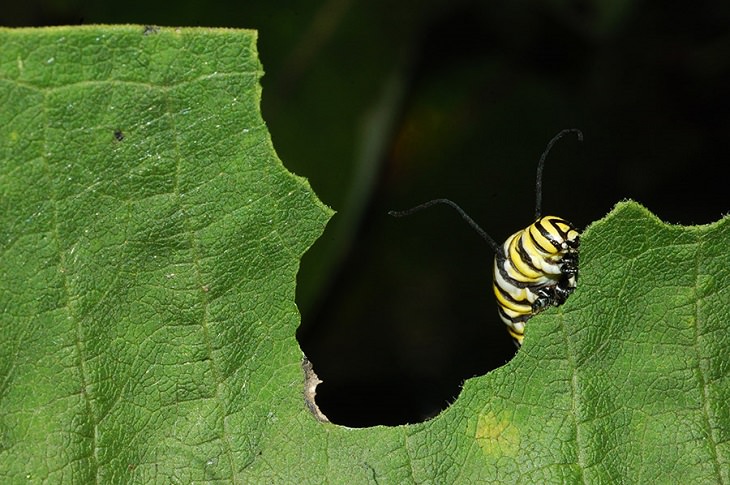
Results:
<point x="150" y="239"/>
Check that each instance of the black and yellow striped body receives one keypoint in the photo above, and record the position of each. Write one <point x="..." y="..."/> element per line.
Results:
<point x="535" y="268"/>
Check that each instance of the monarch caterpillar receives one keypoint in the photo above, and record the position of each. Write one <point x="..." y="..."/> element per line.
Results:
<point x="537" y="266"/>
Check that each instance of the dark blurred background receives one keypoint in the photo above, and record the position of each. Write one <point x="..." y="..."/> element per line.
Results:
<point x="385" y="104"/>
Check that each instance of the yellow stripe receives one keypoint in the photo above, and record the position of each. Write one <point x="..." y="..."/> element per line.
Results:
<point x="517" y="336"/>
<point x="542" y="240"/>
<point x="510" y="306"/>
<point x="525" y="272"/>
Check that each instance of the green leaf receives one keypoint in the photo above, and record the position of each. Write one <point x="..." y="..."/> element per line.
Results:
<point x="629" y="381"/>
<point x="150" y="240"/>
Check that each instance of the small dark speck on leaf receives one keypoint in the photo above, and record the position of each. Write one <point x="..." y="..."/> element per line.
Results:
<point x="150" y="30"/>
<point x="118" y="135"/>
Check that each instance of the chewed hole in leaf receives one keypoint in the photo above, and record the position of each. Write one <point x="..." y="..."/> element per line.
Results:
<point x="402" y="356"/>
